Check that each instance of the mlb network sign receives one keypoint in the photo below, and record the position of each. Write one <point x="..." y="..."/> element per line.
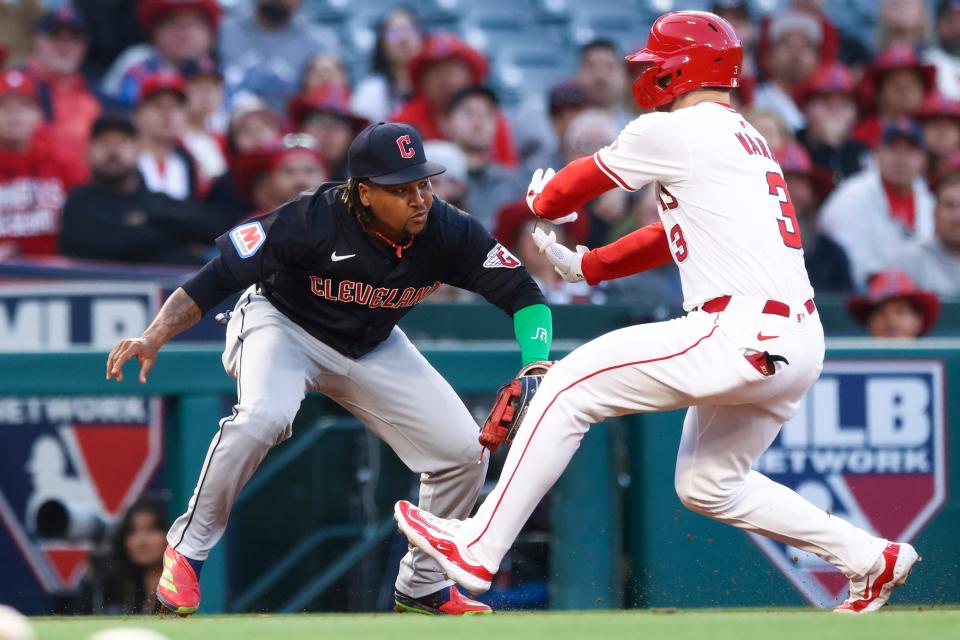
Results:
<point x="46" y="317"/>
<point x="96" y="454"/>
<point x="867" y="445"/>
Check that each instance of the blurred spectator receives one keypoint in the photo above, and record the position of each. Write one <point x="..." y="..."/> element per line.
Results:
<point x="125" y="581"/>
<point x="443" y="67"/>
<point x="601" y="82"/>
<point x="903" y="22"/>
<point x="894" y="86"/>
<point x="795" y="39"/>
<point x="265" y="46"/>
<point x="555" y="289"/>
<point x="471" y="124"/>
<point x="323" y="70"/>
<point x="115" y="217"/>
<point x="17" y="21"/>
<point x="166" y="166"/>
<point x="399" y="39"/>
<point x="587" y="133"/>
<point x="113" y="28"/>
<point x="878" y="212"/>
<point x="34" y="177"/>
<point x="565" y="103"/>
<point x="894" y="307"/>
<point x="451" y="185"/>
<point x="830" y="107"/>
<point x="253" y="125"/>
<point x="936" y="262"/>
<point x="539" y="129"/>
<point x="835" y="45"/>
<point x="940" y="120"/>
<point x="179" y="30"/>
<point x="770" y="126"/>
<point x="826" y="262"/>
<point x="59" y="48"/>
<point x="324" y="113"/>
<point x="945" y="56"/>
<point x="602" y="75"/>
<point x="269" y="177"/>
<point x="204" y="119"/>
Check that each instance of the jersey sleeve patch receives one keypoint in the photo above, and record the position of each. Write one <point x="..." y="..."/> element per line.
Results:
<point x="248" y="238"/>
<point x="500" y="258"/>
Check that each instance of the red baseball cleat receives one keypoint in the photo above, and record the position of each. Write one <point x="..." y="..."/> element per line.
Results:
<point x="433" y="536"/>
<point x="872" y="591"/>
<point x="179" y="589"/>
<point x="446" y="602"/>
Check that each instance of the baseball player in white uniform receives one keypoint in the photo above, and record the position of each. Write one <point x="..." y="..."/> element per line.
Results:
<point x="743" y="357"/>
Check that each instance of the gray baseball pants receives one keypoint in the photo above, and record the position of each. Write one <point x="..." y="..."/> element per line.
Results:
<point x="392" y="390"/>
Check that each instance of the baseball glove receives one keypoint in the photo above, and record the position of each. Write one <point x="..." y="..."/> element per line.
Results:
<point x="510" y="406"/>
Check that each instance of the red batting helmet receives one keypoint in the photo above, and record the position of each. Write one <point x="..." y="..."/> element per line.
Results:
<point x="687" y="50"/>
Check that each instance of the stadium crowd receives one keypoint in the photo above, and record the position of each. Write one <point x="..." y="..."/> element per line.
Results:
<point x="139" y="130"/>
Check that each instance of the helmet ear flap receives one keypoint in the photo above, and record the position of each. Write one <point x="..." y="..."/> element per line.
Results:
<point x="648" y="93"/>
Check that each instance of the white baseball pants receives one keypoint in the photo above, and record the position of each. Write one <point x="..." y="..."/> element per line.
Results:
<point x="392" y="390"/>
<point x="735" y="412"/>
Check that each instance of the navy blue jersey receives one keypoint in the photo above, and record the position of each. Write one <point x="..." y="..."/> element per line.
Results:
<point x="318" y="266"/>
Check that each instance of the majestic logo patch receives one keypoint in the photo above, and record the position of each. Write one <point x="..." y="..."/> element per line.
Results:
<point x="248" y="238"/>
<point x="499" y="257"/>
<point x="65" y="450"/>
<point x="406" y="149"/>
<point x="868" y="446"/>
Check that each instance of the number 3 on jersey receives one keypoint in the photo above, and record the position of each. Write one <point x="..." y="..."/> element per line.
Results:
<point x="676" y="238"/>
<point x="787" y="220"/>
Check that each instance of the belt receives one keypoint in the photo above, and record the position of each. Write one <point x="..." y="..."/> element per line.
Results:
<point x="772" y="307"/>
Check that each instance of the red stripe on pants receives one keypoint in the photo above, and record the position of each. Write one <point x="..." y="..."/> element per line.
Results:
<point x="554" y="399"/>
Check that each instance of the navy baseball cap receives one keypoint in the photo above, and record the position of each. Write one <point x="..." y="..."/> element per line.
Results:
<point x="903" y="130"/>
<point x="66" y="17"/>
<point x="390" y="153"/>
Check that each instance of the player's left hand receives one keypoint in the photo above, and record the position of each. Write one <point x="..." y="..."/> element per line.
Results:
<point x="538" y="181"/>
<point x="510" y="406"/>
<point x="140" y="348"/>
<point x="565" y="262"/>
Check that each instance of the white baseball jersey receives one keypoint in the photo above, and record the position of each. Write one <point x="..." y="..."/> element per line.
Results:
<point x="732" y="231"/>
<point x="722" y="199"/>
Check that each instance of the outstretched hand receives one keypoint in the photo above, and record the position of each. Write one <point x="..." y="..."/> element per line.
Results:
<point x="140" y="348"/>
<point x="565" y="262"/>
<point x="538" y="181"/>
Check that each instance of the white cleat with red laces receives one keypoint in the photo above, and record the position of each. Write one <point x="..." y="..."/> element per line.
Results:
<point x="872" y="591"/>
<point x="437" y="538"/>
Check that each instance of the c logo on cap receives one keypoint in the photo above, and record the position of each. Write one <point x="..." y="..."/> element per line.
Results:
<point x="406" y="148"/>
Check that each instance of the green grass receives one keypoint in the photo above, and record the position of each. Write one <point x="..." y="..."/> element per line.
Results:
<point x="786" y="624"/>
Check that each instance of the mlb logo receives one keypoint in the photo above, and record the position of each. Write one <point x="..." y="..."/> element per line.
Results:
<point x="93" y="454"/>
<point x="867" y="445"/>
<point x="248" y="238"/>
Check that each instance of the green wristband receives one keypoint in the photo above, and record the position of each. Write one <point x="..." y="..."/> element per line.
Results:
<point x="533" y="327"/>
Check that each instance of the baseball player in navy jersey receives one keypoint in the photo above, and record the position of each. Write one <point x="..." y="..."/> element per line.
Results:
<point x="741" y="359"/>
<point x="325" y="279"/>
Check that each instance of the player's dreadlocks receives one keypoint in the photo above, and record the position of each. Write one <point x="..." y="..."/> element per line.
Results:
<point x="350" y="195"/>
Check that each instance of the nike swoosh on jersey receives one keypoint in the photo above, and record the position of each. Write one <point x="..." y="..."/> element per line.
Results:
<point x="760" y="336"/>
<point x="336" y="258"/>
